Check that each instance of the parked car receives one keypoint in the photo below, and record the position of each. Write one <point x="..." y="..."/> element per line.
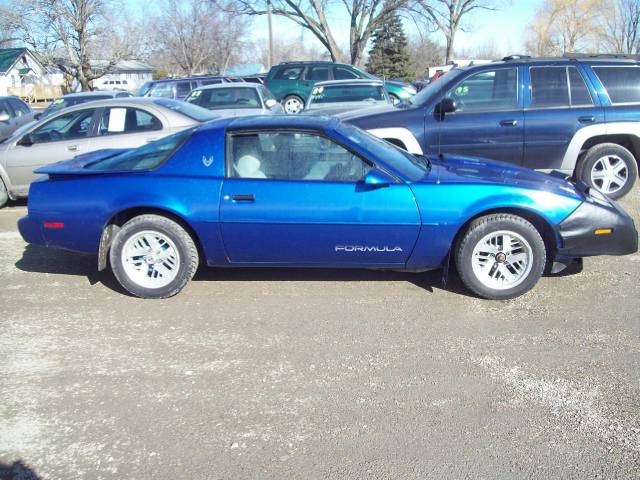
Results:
<point x="236" y="99"/>
<point x="179" y="88"/>
<point x="72" y="99"/>
<point x="336" y="96"/>
<point x="313" y="191"/>
<point x="113" y="85"/>
<point x="577" y="115"/>
<point x="14" y="113"/>
<point x="117" y="123"/>
<point x="292" y="82"/>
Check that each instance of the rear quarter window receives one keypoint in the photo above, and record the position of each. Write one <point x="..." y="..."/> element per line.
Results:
<point x="622" y="83"/>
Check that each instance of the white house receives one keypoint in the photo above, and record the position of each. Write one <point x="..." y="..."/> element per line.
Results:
<point x="127" y="75"/>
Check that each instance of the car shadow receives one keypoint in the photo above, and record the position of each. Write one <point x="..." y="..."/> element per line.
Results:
<point x="17" y="471"/>
<point x="37" y="259"/>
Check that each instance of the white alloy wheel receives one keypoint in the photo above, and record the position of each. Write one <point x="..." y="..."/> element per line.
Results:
<point x="150" y="259"/>
<point x="502" y="260"/>
<point x="609" y="174"/>
<point x="293" y="105"/>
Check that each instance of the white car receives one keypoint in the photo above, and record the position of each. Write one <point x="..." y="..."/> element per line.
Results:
<point x="117" y="123"/>
<point x="236" y="99"/>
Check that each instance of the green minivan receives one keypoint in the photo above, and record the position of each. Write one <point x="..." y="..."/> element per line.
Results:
<point x="292" y="82"/>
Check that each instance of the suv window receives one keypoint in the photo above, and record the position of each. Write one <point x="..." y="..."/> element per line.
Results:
<point x="20" y="108"/>
<point x="293" y="156"/>
<point x="225" y="98"/>
<point x="549" y="87"/>
<point x="183" y="88"/>
<point x="487" y="91"/>
<point x="318" y="73"/>
<point x="342" y="73"/>
<point x="69" y="126"/>
<point x="212" y="82"/>
<point x="579" y="92"/>
<point x="164" y="90"/>
<point x="118" y="120"/>
<point x="288" y="73"/>
<point x="622" y="83"/>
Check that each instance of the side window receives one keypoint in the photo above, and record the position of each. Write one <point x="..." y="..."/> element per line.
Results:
<point x="549" y="87"/>
<point x="69" y="126"/>
<point x="164" y="90"/>
<point x="292" y="156"/>
<point x="578" y="89"/>
<point x="4" y="108"/>
<point x="183" y="88"/>
<point x="622" y="83"/>
<point x="487" y="91"/>
<point x="118" y="120"/>
<point x="342" y="73"/>
<point x="288" y="73"/>
<point x="318" y="73"/>
<point x="211" y="82"/>
<point x="18" y="107"/>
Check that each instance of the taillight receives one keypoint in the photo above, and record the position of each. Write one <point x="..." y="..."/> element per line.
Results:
<point x="53" y="224"/>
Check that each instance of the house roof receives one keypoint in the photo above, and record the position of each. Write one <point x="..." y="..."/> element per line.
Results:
<point x="9" y="56"/>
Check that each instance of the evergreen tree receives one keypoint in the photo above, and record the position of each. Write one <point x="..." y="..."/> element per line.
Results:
<point x="388" y="57"/>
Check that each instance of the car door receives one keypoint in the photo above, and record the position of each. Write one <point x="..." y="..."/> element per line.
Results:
<point x="61" y="137"/>
<point x="488" y="121"/>
<point x="299" y="198"/>
<point x="126" y="127"/>
<point x="558" y="105"/>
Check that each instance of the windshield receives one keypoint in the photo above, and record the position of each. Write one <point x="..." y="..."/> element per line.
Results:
<point x="144" y="89"/>
<point x="412" y="166"/>
<point x="194" y="112"/>
<point x="225" y="98"/>
<point x="146" y="157"/>
<point x="332" y="94"/>
<point x="434" y="87"/>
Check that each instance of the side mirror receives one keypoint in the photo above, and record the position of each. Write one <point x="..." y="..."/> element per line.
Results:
<point x="377" y="178"/>
<point x="270" y="103"/>
<point x="26" y="140"/>
<point x="4" y="117"/>
<point x="446" y="105"/>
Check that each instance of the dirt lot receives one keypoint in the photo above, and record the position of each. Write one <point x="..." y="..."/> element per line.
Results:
<point x="315" y="374"/>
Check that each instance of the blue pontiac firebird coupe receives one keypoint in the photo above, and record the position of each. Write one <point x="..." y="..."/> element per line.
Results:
<point x="316" y="192"/>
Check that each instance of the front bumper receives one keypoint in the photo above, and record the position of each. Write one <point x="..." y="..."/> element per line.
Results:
<point x="578" y="230"/>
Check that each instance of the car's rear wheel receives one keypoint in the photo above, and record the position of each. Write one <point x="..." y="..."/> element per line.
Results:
<point x="4" y="194"/>
<point x="500" y="256"/>
<point x="610" y="168"/>
<point x="293" y="104"/>
<point x="153" y="257"/>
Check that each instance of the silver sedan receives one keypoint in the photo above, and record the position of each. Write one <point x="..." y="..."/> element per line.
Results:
<point x="236" y="99"/>
<point x="117" y="123"/>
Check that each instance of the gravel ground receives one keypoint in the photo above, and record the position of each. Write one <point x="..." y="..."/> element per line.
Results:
<point x="278" y="374"/>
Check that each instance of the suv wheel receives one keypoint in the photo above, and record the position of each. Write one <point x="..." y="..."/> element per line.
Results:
<point x="500" y="256"/>
<point x="610" y="168"/>
<point x="293" y="104"/>
<point x="153" y="257"/>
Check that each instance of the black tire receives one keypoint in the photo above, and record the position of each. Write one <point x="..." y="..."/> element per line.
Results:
<point x="290" y="99"/>
<point x="4" y="194"/>
<point x="591" y="163"/>
<point x="186" y="248"/>
<point x="478" y="230"/>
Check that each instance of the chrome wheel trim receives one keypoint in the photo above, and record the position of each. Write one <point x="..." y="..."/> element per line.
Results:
<point x="150" y="259"/>
<point x="502" y="260"/>
<point x="609" y="174"/>
<point x="292" y="105"/>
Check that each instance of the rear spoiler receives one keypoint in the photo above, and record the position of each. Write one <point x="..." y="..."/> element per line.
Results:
<point x="78" y="164"/>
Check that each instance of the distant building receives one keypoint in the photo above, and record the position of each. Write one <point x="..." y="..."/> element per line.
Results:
<point x="22" y="74"/>
<point x="127" y="75"/>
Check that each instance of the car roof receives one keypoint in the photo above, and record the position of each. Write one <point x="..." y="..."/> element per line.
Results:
<point x="597" y="60"/>
<point x="182" y="79"/>
<point x="284" y="122"/>
<point x="356" y="81"/>
<point x="255" y="86"/>
<point x="94" y="93"/>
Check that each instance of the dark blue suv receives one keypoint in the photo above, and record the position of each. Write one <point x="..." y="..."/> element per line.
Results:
<point x="579" y="115"/>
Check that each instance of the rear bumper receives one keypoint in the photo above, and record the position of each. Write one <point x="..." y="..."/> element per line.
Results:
<point x="30" y="230"/>
<point x="578" y="235"/>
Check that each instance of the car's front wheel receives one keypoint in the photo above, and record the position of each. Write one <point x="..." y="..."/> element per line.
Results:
<point x="153" y="257"/>
<point x="293" y="104"/>
<point x="500" y="256"/>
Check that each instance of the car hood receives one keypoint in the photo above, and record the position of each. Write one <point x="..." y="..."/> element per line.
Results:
<point x="365" y="112"/>
<point x="462" y="169"/>
<point x="76" y="166"/>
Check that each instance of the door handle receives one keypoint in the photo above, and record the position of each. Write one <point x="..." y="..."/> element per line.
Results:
<point x="250" y="197"/>
<point x="73" y="148"/>
<point x="587" y="119"/>
<point x="508" y="123"/>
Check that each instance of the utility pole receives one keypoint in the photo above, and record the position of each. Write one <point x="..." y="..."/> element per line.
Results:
<point x="270" y="35"/>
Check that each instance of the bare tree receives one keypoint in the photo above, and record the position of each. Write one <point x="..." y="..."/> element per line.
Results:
<point x="424" y="53"/>
<point x="8" y="28"/>
<point x="621" y="26"/>
<point x="447" y="16"/>
<point x="194" y="36"/>
<point x="364" y="17"/>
